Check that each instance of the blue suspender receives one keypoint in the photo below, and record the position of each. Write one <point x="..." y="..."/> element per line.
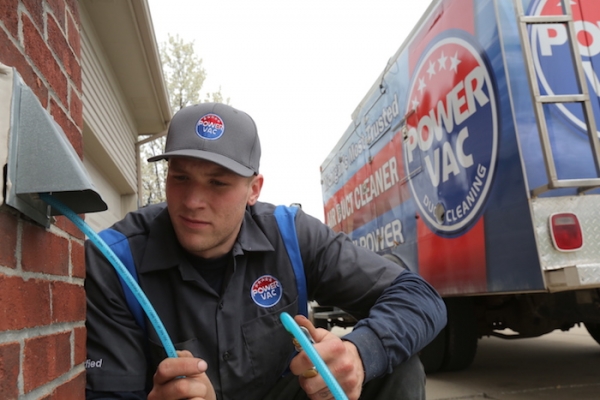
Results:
<point x="285" y="217"/>
<point x="120" y="246"/>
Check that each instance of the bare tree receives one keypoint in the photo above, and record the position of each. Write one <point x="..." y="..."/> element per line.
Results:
<point x="184" y="77"/>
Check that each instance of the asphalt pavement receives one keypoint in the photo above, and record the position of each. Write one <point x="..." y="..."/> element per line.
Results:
<point x="559" y="365"/>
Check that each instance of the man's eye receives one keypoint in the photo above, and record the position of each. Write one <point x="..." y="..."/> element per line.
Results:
<point x="180" y="178"/>
<point x="215" y="182"/>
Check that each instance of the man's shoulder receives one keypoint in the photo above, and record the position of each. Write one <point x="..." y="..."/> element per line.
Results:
<point x="261" y="209"/>
<point x="263" y="214"/>
<point x="139" y="221"/>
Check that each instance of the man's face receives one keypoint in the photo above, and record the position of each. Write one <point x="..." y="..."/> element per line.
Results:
<point x="206" y="204"/>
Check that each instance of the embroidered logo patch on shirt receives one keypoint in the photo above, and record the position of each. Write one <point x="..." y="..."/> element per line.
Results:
<point x="266" y="291"/>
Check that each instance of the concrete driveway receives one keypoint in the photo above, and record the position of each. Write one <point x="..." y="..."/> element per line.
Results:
<point x="560" y="365"/>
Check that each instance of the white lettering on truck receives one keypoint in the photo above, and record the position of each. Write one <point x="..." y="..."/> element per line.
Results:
<point x="389" y="235"/>
<point x="429" y="128"/>
<point x="372" y="132"/>
<point x="551" y="35"/>
<point x="380" y="181"/>
<point x="377" y="183"/>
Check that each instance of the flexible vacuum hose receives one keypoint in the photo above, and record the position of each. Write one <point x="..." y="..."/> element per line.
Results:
<point x="120" y="268"/>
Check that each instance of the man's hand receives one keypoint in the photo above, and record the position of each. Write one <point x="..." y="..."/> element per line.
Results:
<point x="182" y="378"/>
<point x="341" y="357"/>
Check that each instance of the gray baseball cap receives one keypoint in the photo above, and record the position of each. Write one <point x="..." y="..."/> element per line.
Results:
<point x="214" y="132"/>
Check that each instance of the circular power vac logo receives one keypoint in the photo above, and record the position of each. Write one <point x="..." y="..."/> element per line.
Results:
<point x="552" y="55"/>
<point x="210" y="127"/>
<point x="452" y="134"/>
<point x="266" y="291"/>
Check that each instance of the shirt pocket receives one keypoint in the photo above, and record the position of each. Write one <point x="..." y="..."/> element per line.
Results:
<point x="269" y="346"/>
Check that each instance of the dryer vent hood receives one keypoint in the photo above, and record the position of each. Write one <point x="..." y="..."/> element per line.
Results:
<point x="40" y="158"/>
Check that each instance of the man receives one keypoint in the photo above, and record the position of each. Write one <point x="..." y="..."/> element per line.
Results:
<point x="198" y="259"/>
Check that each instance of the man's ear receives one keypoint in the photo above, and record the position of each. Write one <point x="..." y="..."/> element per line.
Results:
<point x="255" y="188"/>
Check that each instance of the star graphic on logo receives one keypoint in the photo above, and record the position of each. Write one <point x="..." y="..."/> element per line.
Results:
<point x="422" y="85"/>
<point x="442" y="61"/>
<point x="454" y="61"/>
<point x="415" y="103"/>
<point x="431" y="69"/>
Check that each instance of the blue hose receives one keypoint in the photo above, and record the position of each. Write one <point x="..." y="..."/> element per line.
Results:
<point x="292" y="327"/>
<point x="120" y="268"/>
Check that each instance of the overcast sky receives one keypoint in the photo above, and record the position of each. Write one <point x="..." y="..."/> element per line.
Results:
<point x="299" y="68"/>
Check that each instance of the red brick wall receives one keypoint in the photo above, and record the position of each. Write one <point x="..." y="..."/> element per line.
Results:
<point x="42" y="300"/>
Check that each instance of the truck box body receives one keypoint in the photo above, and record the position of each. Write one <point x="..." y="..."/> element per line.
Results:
<point x="452" y="165"/>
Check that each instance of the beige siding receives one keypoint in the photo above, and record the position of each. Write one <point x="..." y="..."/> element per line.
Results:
<point x="109" y="132"/>
<point x="105" y="110"/>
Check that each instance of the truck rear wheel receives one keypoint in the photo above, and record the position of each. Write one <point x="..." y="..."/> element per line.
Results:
<point x="455" y="346"/>
<point x="461" y="334"/>
<point x="432" y="356"/>
<point x="594" y="330"/>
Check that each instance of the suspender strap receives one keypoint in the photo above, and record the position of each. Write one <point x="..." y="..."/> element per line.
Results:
<point x="120" y="246"/>
<point x="285" y="217"/>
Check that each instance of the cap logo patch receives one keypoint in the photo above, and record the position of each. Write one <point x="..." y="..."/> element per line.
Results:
<point x="266" y="291"/>
<point x="210" y="127"/>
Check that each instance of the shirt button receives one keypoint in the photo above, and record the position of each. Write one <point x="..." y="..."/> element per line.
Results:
<point x="226" y="355"/>
<point x="220" y="305"/>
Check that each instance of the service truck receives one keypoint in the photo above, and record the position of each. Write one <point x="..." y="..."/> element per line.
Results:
<point x="474" y="160"/>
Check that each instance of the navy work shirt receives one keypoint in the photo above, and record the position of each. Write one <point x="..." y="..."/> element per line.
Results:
<point x="238" y="331"/>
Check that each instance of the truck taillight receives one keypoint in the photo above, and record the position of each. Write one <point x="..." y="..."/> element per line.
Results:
<point x="566" y="232"/>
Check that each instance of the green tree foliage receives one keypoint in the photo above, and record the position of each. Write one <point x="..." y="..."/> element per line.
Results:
<point x="184" y="77"/>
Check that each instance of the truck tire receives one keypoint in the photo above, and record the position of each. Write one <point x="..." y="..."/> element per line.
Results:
<point x="432" y="356"/>
<point x="594" y="330"/>
<point x="461" y="334"/>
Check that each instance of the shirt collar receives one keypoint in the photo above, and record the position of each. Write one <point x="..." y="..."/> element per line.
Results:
<point x="163" y="251"/>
